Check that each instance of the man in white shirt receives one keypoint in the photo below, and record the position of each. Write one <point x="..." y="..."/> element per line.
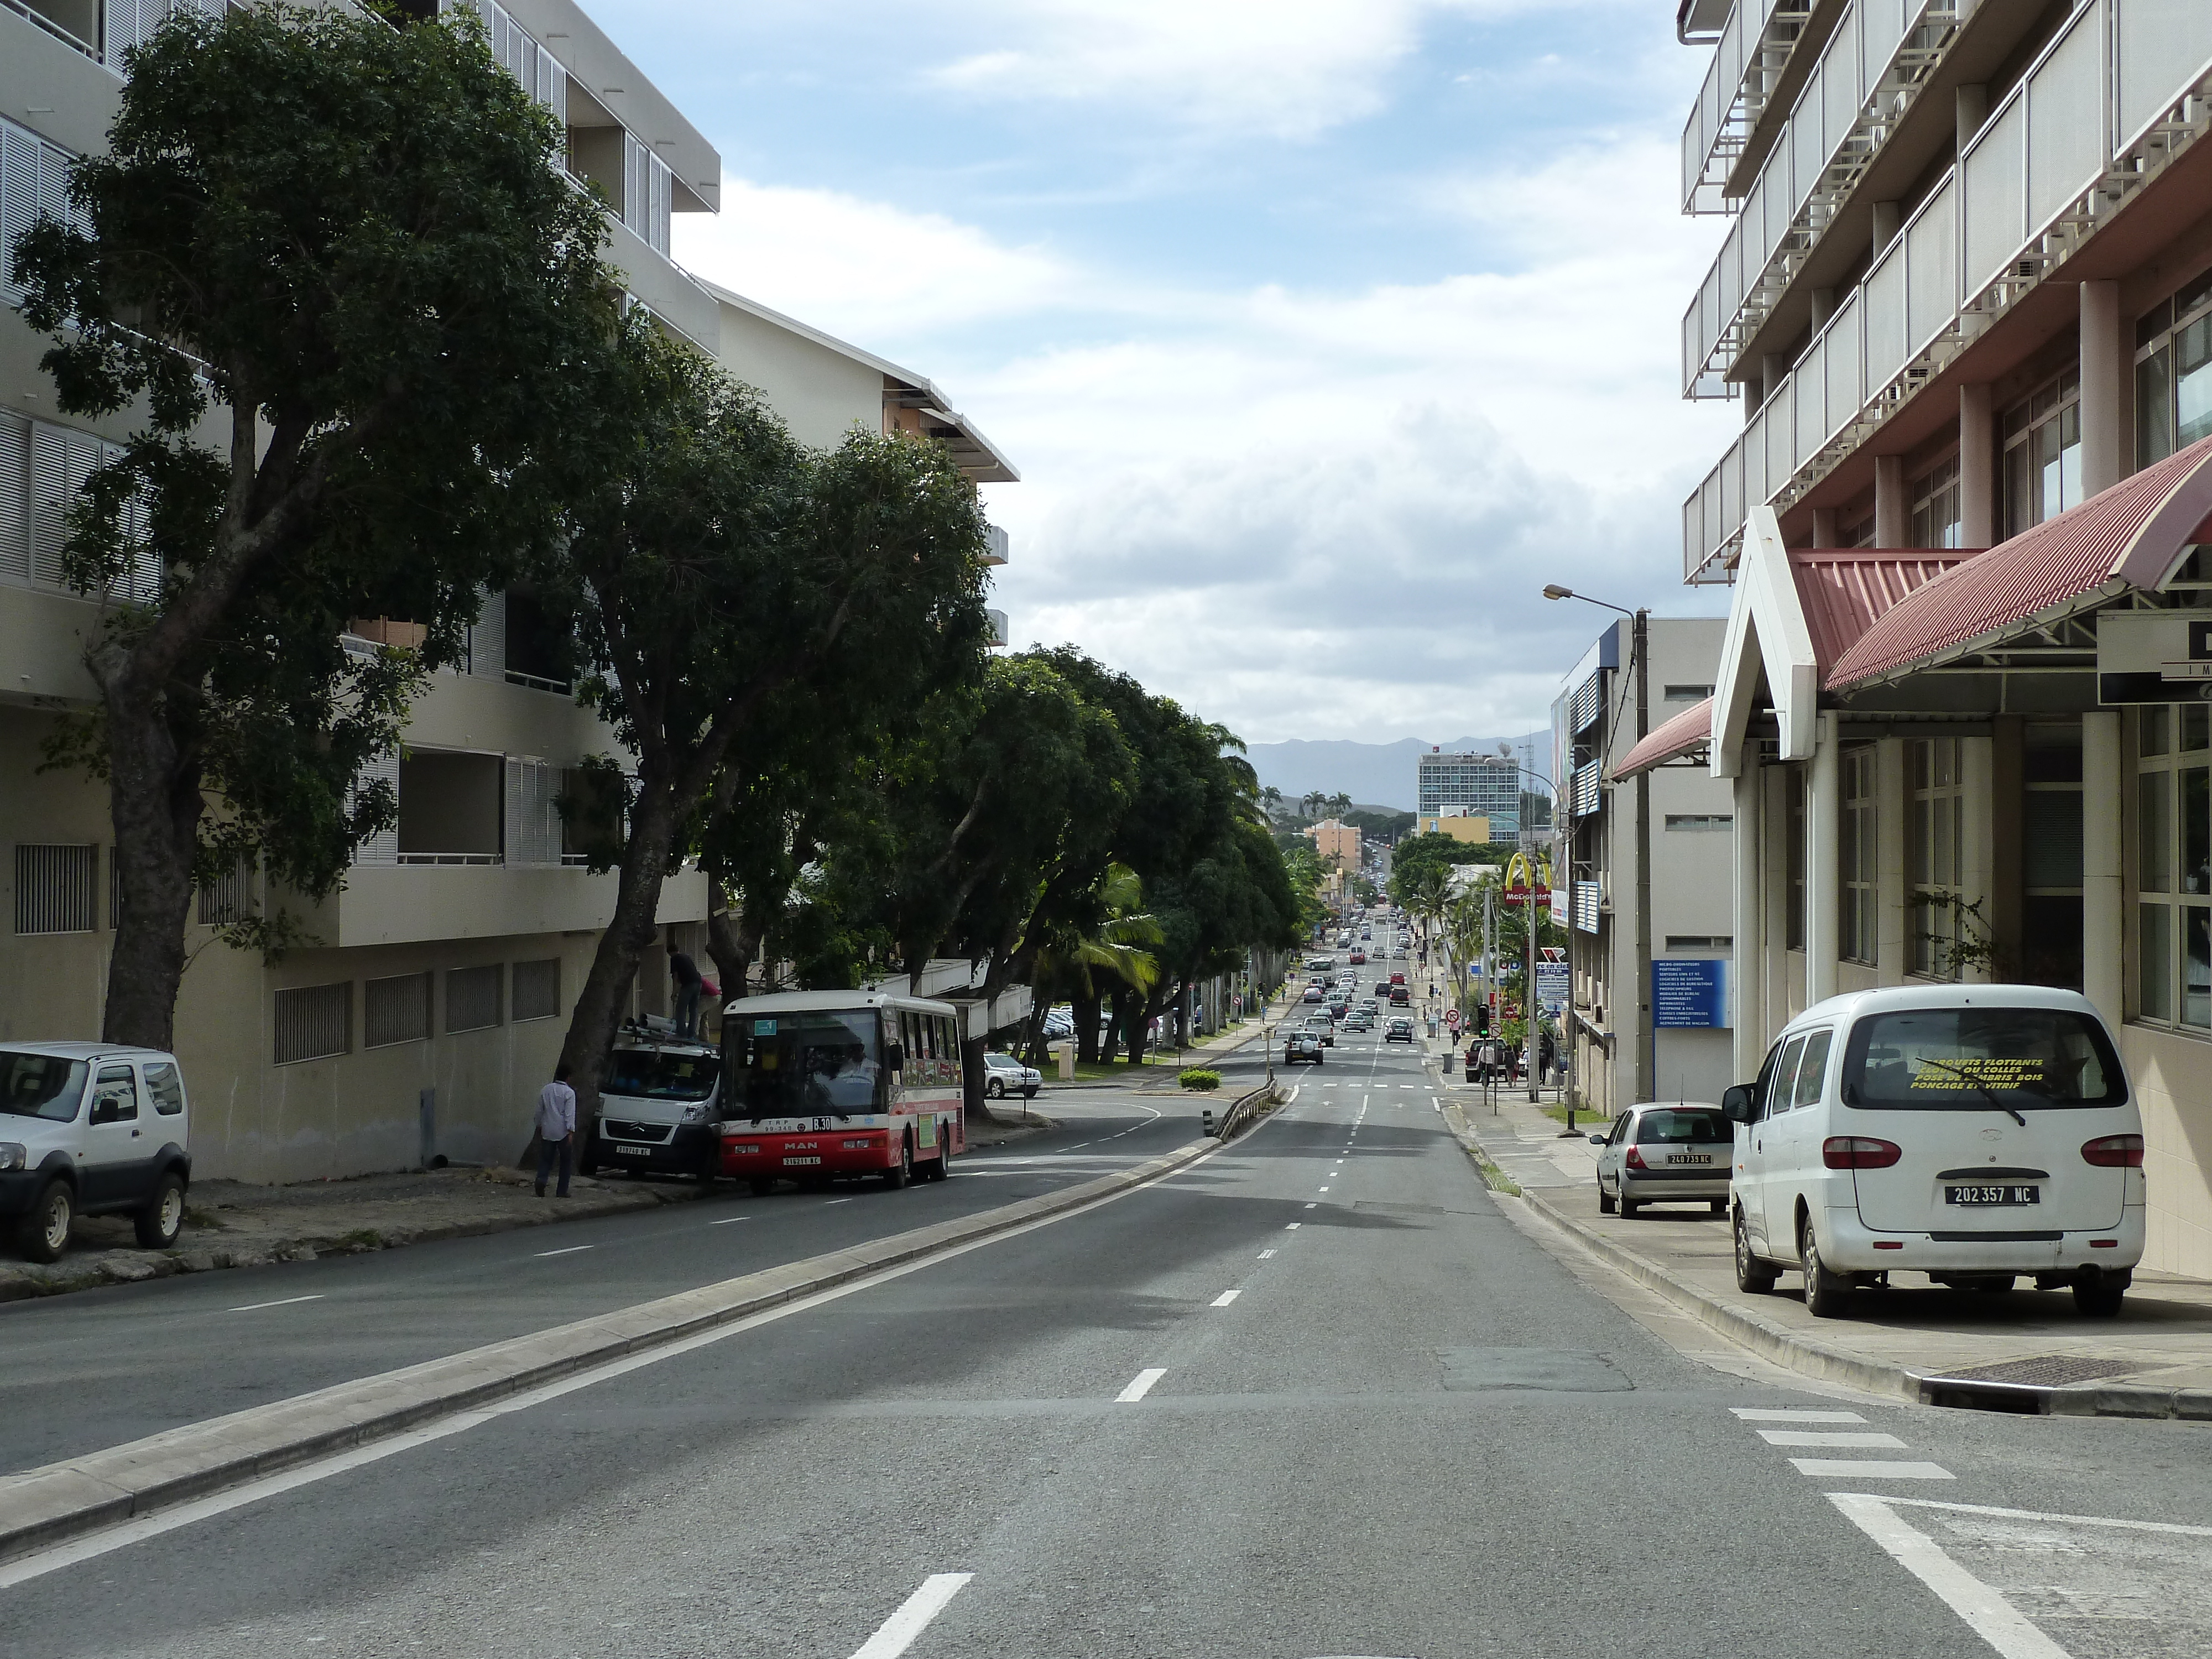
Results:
<point x="556" y="1130"/>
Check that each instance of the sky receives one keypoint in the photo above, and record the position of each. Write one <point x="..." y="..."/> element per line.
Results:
<point x="1322" y="334"/>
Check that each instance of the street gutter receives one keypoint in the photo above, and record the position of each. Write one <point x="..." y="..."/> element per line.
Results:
<point x="44" y="1506"/>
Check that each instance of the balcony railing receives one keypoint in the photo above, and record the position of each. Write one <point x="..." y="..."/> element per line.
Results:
<point x="1869" y="74"/>
<point x="2122" y="90"/>
<point x="1755" y="42"/>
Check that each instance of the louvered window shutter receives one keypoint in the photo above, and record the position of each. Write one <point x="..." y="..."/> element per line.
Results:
<point x="15" y="498"/>
<point x="488" y="638"/>
<point x="19" y="199"/>
<point x="384" y="847"/>
<point x="49" y="497"/>
<point x="510" y="838"/>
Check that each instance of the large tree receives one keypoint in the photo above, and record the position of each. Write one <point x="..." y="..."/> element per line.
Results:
<point x="730" y="584"/>
<point x="332" y="271"/>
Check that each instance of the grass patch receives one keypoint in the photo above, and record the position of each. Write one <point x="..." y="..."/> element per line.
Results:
<point x="1586" y="1120"/>
<point x="1494" y="1177"/>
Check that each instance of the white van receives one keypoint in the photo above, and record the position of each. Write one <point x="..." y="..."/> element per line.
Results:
<point x="91" y="1128"/>
<point x="660" y="1108"/>
<point x="1972" y="1132"/>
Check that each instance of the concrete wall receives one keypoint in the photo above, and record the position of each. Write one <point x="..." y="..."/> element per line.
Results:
<point x="821" y="393"/>
<point x="2170" y="1072"/>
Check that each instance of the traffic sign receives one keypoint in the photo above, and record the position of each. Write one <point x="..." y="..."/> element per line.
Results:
<point x="1451" y="1017"/>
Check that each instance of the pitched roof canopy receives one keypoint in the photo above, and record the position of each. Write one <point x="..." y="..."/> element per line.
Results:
<point x="1690" y="729"/>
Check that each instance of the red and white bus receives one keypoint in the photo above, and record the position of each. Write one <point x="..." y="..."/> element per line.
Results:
<point x="824" y="1083"/>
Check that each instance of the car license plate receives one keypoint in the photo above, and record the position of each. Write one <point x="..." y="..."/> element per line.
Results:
<point x="1689" y="1157"/>
<point x="1999" y="1195"/>
<point x="802" y="1160"/>
<point x="633" y="1151"/>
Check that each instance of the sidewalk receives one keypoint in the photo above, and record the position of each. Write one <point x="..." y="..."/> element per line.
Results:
<point x="1149" y="1078"/>
<point x="2028" y="1349"/>
<point x="231" y="1224"/>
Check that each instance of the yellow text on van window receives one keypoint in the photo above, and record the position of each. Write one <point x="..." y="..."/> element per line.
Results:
<point x="1992" y="1071"/>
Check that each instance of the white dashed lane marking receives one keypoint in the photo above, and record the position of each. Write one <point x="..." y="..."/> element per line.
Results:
<point x="1825" y="1437"/>
<point x="569" y="1250"/>
<point x="1869" y="1468"/>
<point x="286" y="1302"/>
<point x="896" y="1633"/>
<point x="1226" y="1297"/>
<point x="1140" y="1386"/>
<point x="1793" y="1414"/>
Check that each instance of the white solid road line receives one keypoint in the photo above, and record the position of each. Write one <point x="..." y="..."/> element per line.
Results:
<point x="1226" y="1297"/>
<point x="569" y="1250"/>
<point x="1870" y="1468"/>
<point x="283" y="1302"/>
<point x="1143" y="1386"/>
<point x="1793" y="1414"/>
<point x="898" y="1631"/>
<point x="1992" y="1618"/>
<point x="727" y="1220"/>
<point x="1828" y="1437"/>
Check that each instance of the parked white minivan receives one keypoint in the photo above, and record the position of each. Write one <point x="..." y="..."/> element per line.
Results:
<point x="660" y="1108"/>
<point x="91" y="1128"/>
<point x="1972" y="1132"/>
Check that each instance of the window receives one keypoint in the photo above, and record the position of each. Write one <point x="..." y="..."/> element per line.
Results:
<point x="33" y="185"/>
<point x="165" y="1089"/>
<point x="1701" y="822"/>
<point x="2173" y="373"/>
<point x="1935" y="507"/>
<point x="41" y="1086"/>
<point x="225" y="900"/>
<point x="1701" y="942"/>
<point x="1856" y="846"/>
<point x="115" y="1095"/>
<point x="42" y="469"/>
<point x="315" y="1021"/>
<point x="472" y="998"/>
<point x="396" y="1010"/>
<point x="1856" y="532"/>
<point x="646" y="194"/>
<point x="1812" y="1069"/>
<point x="1794" y="939"/>
<point x="450" y="807"/>
<point x="2043" y="453"/>
<point x="56" y="889"/>
<point x="1937" y="855"/>
<point x="538" y="990"/>
<point x="2174" y="865"/>
<point x="1688" y="693"/>
<point x="2050" y="856"/>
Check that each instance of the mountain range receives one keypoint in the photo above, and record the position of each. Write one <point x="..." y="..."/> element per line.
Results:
<point x="1383" y="773"/>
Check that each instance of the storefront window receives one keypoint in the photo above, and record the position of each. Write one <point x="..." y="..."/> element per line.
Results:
<point x="2174" y="865"/>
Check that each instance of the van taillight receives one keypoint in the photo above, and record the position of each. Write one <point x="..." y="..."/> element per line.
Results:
<point x="1859" y="1153"/>
<point x="2114" y="1152"/>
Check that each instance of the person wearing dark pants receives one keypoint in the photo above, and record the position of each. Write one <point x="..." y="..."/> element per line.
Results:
<point x="685" y="973"/>
<point x="556" y="1131"/>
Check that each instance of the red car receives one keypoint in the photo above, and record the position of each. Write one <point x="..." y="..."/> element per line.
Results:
<point x="1357" y="957"/>
<point x="1397" y="979"/>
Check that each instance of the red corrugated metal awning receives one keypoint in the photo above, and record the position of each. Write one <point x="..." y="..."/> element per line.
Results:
<point x="1688" y="730"/>
<point x="2125" y="536"/>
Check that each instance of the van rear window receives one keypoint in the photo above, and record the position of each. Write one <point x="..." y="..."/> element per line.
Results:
<point x="1967" y="1059"/>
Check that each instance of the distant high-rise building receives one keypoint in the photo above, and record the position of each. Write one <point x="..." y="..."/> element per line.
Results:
<point x="1451" y="785"/>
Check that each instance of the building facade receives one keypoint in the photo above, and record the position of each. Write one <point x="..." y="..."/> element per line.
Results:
<point x="1473" y="828"/>
<point x="1337" y="842"/>
<point x="420" y="1023"/>
<point x="1593" y="874"/>
<point x="1488" y="786"/>
<point x="1964" y="298"/>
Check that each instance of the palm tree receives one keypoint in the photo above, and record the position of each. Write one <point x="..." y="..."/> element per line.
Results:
<point x="1111" y="958"/>
<point x="1272" y="799"/>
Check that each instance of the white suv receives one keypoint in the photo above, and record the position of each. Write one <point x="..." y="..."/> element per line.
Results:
<point x="1972" y="1132"/>
<point x="91" y="1128"/>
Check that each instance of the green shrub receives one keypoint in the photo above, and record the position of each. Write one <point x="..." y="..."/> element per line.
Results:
<point x="1196" y="1078"/>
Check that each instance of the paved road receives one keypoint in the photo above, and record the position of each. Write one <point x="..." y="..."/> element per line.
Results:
<point x="1318" y="1394"/>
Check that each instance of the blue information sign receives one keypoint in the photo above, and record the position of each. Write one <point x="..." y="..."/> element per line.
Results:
<point x="1690" y="993"/>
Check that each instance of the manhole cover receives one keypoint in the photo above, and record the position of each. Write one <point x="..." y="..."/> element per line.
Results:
<point x="1564" y="1371"/>
<point x="2050" y="1371"/>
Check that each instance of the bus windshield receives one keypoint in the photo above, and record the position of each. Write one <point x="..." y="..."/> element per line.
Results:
<point x="1962" y="1058"/>
<point x="815" y="1063"/>
<point x="655" y="1074"/>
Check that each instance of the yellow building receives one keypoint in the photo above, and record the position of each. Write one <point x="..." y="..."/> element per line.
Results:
<point x="1473" y="828"/>
<point x="1334" y="839"/>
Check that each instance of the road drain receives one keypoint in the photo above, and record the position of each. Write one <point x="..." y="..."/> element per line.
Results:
<point x="2020" y="1386"/>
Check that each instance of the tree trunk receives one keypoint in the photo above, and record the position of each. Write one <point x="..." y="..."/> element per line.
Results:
<point x="155" y="805"/>
<point x="630" y="933"/>
<point x="733" y="940"/>
<point x="1084" y="1000"/>
<point x="971" y="1076"/>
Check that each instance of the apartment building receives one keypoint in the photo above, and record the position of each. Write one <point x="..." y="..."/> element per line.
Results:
<point x="1474" y="828"/>
<point x="1488" y="786"/>
<point x="1337" y="841"/>
<point x="1679" y="1049"/>
<point x="1965" y="297"/>
<point x="432" y="1003"/>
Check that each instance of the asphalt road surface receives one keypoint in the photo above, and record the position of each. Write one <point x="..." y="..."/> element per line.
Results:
<point x="1317" y="1394"/>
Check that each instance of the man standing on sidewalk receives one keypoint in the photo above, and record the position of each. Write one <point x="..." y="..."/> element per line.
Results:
<point x="556" y="1130"/>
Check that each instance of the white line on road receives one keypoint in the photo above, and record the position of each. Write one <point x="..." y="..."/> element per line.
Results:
<point x="1293" y="1226"/>
<point x="1226" y="1297"/>
<point x="826" y="1204"/>
<point x="727" y="1220"/>
<point x="285" y="1302"/>
<point x="1143" y="1386"/>
<point x="1825" y="1437"/>
<point x="1869" y="1468"/>
<point x="898" y="1631"/>
<point x="1990" y="1617"/>
<point x="1310" y="1205"/>
<point x="1264" y="1255"/>
<point x="1793" y="1414"/>
<point x="568" y="1249"/>
<point x="1322" y="1190"/>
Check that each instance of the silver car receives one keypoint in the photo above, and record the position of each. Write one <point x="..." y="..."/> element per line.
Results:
<point x="1004" y="1075"/>
<point x="1659" y="1153"/>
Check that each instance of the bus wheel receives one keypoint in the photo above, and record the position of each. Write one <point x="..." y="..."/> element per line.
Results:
<point x="901" y="1172"/>
<point x="943" y="1166"/>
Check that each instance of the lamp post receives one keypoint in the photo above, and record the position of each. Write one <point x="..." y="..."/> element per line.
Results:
<point x="1647" y="1037"/>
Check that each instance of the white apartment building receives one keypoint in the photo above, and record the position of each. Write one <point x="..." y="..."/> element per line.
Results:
<point x="423" y="1023"/>
<point x="1965" y="296"/>
<point x="1470" y="786"/>
<point x="1685" y="1031"/>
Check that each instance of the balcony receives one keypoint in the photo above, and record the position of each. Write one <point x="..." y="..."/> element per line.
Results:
<point x="2118" y="94"/>
<point x="996" y="545"/>
<point x="1753" y="53"/>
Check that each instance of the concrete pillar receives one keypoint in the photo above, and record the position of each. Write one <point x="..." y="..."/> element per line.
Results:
<point x="1887" y="220"/>
<point x="1978" y="468"/>
<point x="2106" y="363"/>
<point x="1824" y="780"/>
<point x="1774" y="897"/>
<point x="1773" y="369"/>
<point x="1749" y="968"/>
<point x="2102" y="947"/>
<point x="1824" y="306"/>
<point x="1824" y="526"/>
<point x="1893" y="513"/>
<point x="1893" y="862"/>
<point x="1976" y="763"/>
<point x="1973" y="104"/>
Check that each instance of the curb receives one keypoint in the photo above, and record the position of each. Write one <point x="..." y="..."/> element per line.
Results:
<point x="1799" y="1353"/>
<point x="43" y="1506"/>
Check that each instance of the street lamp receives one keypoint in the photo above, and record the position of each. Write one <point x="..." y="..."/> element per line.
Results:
<point x="1647" y="1035"/>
